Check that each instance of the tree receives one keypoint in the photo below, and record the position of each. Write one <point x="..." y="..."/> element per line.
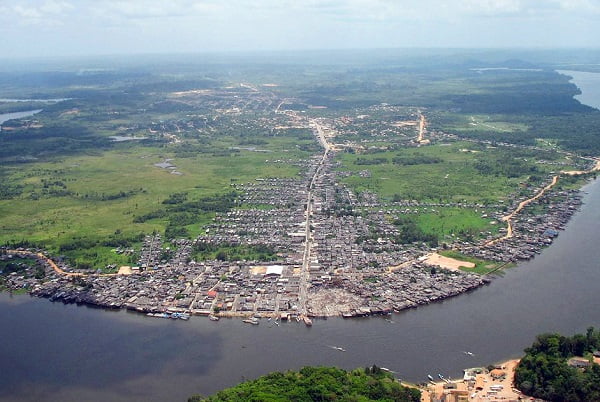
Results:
<point x="544" y="373"/>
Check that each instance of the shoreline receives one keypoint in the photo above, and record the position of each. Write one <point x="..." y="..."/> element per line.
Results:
<point x="477" y="384"/>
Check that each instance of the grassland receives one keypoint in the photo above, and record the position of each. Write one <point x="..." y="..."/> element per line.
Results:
<point x="493" y="123"/>
<point x="448" y="223"/>
<point x="82" y="209"/>
<point x="454" y="179"/>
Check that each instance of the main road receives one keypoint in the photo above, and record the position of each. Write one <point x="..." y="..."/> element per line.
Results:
<point x="305" y="272"/>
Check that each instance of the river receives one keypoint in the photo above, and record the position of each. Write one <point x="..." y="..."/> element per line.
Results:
<point x="589" y="81"/>
<point x="59" y="352"/>
<point x="17" y="115"/>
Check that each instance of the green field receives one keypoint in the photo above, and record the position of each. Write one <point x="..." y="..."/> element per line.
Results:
<point x="455" y="178"/>
<point x="99" y="196"/>
<point x="452" y="223"/>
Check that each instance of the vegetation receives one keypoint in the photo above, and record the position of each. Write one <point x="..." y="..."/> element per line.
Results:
<point x="319" y="384"/>
<point x="410" y="232"/>
<point x="231" y="252"/>
<point x="66" y="186"/>
<point x="72" y="205"/>
<point x="456" y="172"/>
<point x="27" y="267"/>
<point x="544" y="372"/>
<point x="450" y="223"/>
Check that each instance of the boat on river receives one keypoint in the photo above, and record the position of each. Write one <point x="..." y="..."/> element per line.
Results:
<point x="253" y="321"/>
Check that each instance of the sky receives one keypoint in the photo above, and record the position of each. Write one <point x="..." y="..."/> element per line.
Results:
<point x="42" y="28"/>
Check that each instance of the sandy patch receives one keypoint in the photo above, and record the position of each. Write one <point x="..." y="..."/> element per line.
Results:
<point x="403" y="265"/>
<point x="490" y="389"/>
<point x="573" y="172"/>
<point x="258" y="270"/>
<point x="447" y="262"/>
<point x="69" y="112"/>
<point x="125" y="270"/>
<point x="192" y="92"/>
<point x="405" y="123"/>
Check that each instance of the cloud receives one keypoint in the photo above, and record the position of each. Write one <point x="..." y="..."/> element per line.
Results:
<point x="105" y="26"/>
<point x="48" y="12"/>
<point x="27" y="12"/>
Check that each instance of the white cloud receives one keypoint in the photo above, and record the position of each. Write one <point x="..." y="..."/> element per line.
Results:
<point x="104" y="26"/>
<point x="27" y="12"/>
<point x="55" y="7"/>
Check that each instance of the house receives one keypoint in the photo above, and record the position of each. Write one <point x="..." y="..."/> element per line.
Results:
<point x="579" y="362"/>
<point x="498" y="374"/>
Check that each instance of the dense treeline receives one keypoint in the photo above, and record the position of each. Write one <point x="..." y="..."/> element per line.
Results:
<point x="370" y="161"/>
<point x="577" y="131"/>
<point x="505" y="166"/>
<point x="506" y="91"/>
<point x="545" y="373"/>
<point x="180" y="213"/>
<point x="10" y="107"/>
<point x="117" y="239"/>
<point x="319" y="384"/>
<point x="410" y="232"/>
<point x="20" y="266"/>
<point x="416" y="159"/>
<point x="9" y="191"/>
<point x="50" y="140"/>
<point x="215" y="203"/>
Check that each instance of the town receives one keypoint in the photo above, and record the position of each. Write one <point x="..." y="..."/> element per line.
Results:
<point x="332" y="251"/>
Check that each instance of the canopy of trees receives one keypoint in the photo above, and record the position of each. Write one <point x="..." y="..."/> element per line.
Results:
<point x="545" y="373"/>
<point x="320" y="384"/>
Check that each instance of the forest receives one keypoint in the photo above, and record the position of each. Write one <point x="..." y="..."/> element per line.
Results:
<point x="319" y="384"/>
<point x="544" y="371"/>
